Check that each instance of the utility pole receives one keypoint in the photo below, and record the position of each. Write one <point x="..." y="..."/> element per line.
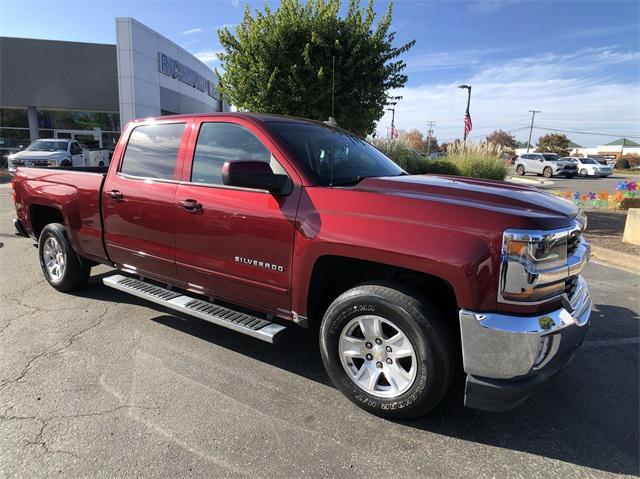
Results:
<point x="429" y="134"/>
<point x="533" y="116"/>
<point x="393" y="119"/>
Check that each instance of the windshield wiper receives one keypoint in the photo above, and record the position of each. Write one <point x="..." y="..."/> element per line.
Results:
<point x="354" y="180"/>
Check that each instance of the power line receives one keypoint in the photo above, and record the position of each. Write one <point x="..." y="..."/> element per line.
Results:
<point x="581" y="132"/>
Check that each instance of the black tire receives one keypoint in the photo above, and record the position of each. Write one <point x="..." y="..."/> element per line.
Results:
<point x="420" y="322"/>
<point x="75" y="273"/>
<point x="520" y="170"/>
<point x="584" y="172"/>
<point x="547" y="172"/>
<point x="66" y="163"/>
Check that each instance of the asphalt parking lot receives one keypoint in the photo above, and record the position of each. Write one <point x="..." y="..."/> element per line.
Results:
<point x="99" y="384"/>
<point x="578" y="183"/>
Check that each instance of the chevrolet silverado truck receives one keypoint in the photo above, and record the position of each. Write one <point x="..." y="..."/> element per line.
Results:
<point x="261" y="223"/>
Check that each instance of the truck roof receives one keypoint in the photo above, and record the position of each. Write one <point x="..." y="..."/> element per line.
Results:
<point x="261" y="117"/>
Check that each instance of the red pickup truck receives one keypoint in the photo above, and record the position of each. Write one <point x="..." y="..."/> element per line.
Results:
<point x="258" y="223"/>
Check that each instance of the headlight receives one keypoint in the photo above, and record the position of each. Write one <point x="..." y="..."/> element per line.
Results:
<point x="535" y="264"/>
<point x="53" y="162"/>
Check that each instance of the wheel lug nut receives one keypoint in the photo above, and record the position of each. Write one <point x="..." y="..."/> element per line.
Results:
<point x="388" y="349"/>
<point x="368" y="345"/>
<point x="379" y="365"/>
<point x="369" y="357"/>
<point x="389" y="361"/>
<point x="378" y="341"/>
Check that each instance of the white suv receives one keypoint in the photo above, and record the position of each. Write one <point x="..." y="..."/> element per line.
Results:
<point x="547" y="164"/>
<point x="590" y="167"/>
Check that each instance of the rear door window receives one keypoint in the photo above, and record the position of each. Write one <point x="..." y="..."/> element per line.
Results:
<point x="152" y="151"/>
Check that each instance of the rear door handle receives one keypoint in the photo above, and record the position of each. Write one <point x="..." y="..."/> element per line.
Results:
<point x="192" y="206"/>
<point x="116" y="195"/>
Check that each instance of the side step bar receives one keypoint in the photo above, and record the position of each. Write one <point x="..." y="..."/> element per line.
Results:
<point x="228" y="318"/>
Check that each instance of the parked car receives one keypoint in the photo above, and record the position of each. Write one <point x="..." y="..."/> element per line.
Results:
<point x="546" y="164"/>
<point x="290" y="222"/>
<point x="590" y="167"/>
<point x="438" y="155"/>
<point x="53" y="152"/>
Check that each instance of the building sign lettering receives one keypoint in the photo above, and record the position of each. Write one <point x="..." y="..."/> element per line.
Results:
<point x="180" y="71"/>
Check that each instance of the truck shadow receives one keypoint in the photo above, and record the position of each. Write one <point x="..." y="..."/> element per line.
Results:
<point x="587" y="415"/>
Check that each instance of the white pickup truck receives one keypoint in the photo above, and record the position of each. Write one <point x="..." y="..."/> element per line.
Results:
<point x="52" y="152"/>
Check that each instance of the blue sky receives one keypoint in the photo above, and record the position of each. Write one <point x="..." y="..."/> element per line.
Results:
<point x="577" y="62"/>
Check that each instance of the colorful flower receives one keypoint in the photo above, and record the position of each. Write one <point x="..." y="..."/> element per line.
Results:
<point x="576" y="195"/>
<point x="567" y="195"/>
<point x="603" y="195"/>
<point x="592" y="196"/>
<point x="618" y="197"/>
<point x="622" y="186"/>
<point x="584" y="197"/>
<point x="632" y="186"/>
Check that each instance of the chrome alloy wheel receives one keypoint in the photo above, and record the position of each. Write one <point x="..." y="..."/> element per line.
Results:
<point x="54" y="258"/>
<point x="377" y="356"/>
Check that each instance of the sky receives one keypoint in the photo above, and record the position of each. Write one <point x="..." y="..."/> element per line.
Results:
<point x="576" y="62"/>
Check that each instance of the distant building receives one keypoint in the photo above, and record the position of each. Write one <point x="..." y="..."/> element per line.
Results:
<point x="611" y="151"/>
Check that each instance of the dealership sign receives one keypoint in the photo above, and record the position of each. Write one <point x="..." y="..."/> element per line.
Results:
<point x="182" y="72"/>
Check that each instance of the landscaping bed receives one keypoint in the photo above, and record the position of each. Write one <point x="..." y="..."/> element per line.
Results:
<point x="605" y="229"/>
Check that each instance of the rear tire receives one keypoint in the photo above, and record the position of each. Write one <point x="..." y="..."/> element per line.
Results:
<point x="400" y="368"/>
<point x="547" y="172"/>
<point x="520" y="170"/>
<point x="62" y="267"/>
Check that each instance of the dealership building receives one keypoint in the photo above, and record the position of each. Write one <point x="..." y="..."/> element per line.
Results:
<point x="89" y="91"/>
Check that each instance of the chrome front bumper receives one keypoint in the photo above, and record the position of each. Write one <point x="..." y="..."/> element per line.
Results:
<point x="508" y="358"/>
<point x="498" y="346"/>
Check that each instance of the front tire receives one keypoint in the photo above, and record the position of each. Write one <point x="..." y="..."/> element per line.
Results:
<point x="62" y="267"/>
<point x="386" y="350"/>
<point x="584" y="172"/>
<point x="547" y="172"/>
<point x="520" y="170"/>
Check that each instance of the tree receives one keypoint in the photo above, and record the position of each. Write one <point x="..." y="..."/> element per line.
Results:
<point x="503" y="138"/>
<point x="555" y="143"/>
<point x="280" y="61"/>
<point x="414" y="139"/>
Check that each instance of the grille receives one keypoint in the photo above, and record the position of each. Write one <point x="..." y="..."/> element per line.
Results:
<point x="570" y="286"/>
<point x="572" y="242"/>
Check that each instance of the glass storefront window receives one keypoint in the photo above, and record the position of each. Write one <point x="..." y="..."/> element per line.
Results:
<point x="110" y="121"/>
<point x="14" y="117"/>
<point x="109" y="140"/>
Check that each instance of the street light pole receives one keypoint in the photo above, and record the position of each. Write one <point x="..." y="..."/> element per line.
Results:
<point x="467" y="117"/>
<point x="393" y="118"/>
<point x="533" y="116"/>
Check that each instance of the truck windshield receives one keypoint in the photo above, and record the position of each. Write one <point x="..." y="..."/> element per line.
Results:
<point x="334" y="156"/>
<point x="43" y="145"/>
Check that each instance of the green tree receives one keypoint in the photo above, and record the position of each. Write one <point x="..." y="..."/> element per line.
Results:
<point x="280" y="61"/>
<point x="554" y="143"/>
<point x="502" y="138"/>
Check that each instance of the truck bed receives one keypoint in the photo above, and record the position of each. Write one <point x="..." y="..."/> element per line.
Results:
<point x="71" y="195"/>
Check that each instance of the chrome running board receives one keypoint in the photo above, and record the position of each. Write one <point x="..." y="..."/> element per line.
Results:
<point x="228" y="318"/>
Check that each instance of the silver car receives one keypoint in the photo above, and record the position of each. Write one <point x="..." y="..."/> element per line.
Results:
<point x="546" y="164"/>
<point x="590" y="167"/>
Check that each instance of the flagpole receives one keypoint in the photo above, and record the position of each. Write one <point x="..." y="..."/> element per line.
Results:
<point x="467" y="115"/>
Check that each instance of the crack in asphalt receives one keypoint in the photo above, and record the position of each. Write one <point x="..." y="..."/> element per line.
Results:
<point x="39" y="439"/>
<point x="69" y="342"/>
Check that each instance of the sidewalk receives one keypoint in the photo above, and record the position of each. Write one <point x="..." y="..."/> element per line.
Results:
<point x="604" y="232"/>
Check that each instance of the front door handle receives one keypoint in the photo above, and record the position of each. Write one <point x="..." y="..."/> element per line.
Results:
<point x="116" y="195"/>
<point x="193" y="206"/>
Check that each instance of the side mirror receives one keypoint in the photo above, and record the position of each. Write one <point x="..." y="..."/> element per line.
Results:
<point x="21" y="147"/>
<point x="256" y="175"/>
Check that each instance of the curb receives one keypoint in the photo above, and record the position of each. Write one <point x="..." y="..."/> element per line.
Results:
<point x="611" y="257"/>
<point x="528" y="181"/>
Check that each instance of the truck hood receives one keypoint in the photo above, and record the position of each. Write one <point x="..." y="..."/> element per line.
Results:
<point x="547" y="211"/>
<point x="38" y="155"/>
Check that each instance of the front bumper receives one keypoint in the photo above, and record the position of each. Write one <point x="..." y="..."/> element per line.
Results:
<point x="507" y="358"/>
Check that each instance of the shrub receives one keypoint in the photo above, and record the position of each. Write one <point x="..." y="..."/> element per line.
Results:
<point x="622" y="164"/>
<point x="633" y="159"/>
<point x="404" y="156"/>
<point x="441" y="167"/>
<point x="478" y="160"/>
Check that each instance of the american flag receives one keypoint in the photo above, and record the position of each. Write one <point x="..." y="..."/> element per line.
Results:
<point x="394" y="133"/>
<point x="467" y="123"/>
